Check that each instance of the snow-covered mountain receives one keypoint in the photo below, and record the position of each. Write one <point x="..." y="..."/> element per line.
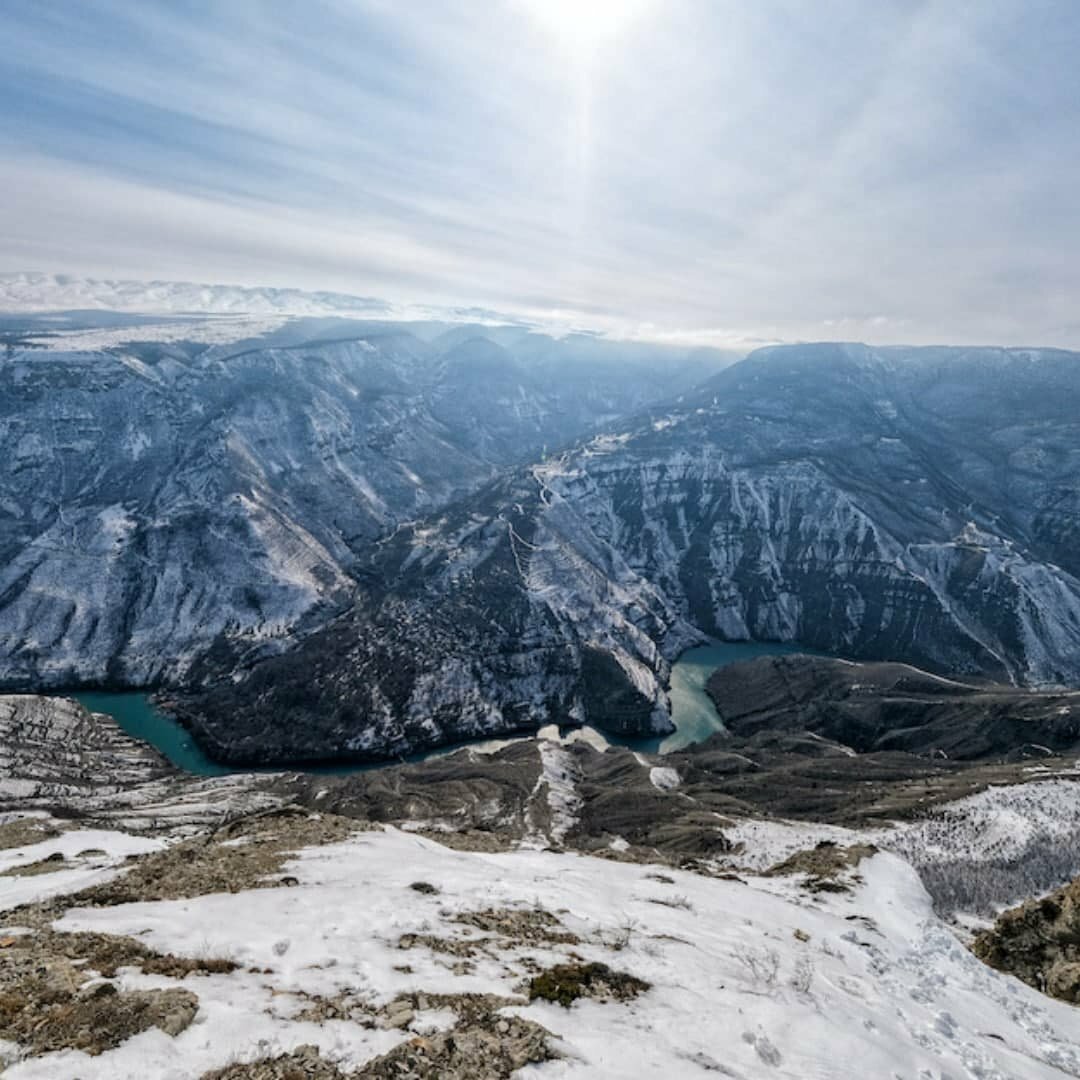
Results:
<point x="161" y="496"/>
<point x="919" y="505"/>
<point x="34" y="292"/>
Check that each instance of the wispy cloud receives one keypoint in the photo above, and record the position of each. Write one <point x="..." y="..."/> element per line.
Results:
<point x="777" y="170"/>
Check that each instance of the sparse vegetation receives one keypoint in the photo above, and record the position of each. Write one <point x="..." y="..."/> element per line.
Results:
<point x="1039" y="942"/>
<point x="824" y="865"/>
<point x="566" y="983"/>
<point x="983" y="886"/>
<point x="761" y="966"/>
<point x="47" y="1003"/>
<point x="803" y="977"/>
<point x="620" y="938"/>
<point x="25" y="831"/>
<point x="969" y="863"/>
<point x="209" y="864"/>
<point x="680" y="901"/>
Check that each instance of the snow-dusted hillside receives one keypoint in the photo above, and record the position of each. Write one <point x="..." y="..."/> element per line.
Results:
<point x="912" y="504"/>
<point x="161" y="497"/>
<point x="895" y="504"/>
<point x="752" y="978"/>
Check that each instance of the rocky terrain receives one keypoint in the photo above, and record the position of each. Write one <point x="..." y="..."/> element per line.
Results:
<point x="321" y="546"/>
<point x="57" y="757"/>
<point x="1039" y="942"/>
<point x="881" y="707"/>
<point x="545" y="909"/>
<point x="164" y="497"/>
<point x="914" y="505"/>
<point x="576" y="792"/>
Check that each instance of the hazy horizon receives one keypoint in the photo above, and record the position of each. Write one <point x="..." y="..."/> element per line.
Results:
<point x="687" y="171"/>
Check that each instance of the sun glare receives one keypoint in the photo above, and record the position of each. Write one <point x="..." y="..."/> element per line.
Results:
<point x="582" y="25"/>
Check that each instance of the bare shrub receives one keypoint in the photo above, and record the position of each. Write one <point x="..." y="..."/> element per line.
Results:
<point x="761" y="967"/>
<point x="620" y="938"/>
<point x="803" y="977"/>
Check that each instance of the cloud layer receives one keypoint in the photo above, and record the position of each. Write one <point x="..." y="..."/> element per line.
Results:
<point x="906" y="172"/>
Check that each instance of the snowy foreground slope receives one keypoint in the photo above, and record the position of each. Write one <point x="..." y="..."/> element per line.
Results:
<point x="751" y="977"/>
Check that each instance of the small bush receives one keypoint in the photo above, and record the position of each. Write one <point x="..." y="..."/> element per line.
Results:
<point x="679" y="901"/>
<point x="425" y="887"/>
<point x="565" y="983"/>
<point x="803" y="977"/>
<point x="761" y="966"/>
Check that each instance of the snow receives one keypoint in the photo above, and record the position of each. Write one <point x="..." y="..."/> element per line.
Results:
<point x="998" y="823"/>
<point x="664" y="779"/>
<point x="24" y="292"/>
<point x="557" y="775"/>
<point x="874" y="985"/>
<point x="767" y="843"/>
<point x="221" y="330"/>
<point x="81" y="870"/>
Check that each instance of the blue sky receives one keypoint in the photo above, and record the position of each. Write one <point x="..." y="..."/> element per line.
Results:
<point x="728" y="171"/>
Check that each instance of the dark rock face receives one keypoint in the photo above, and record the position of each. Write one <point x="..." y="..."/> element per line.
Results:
<point x="678" y="804"/>
<point x="487" y="621"/>
<point x="911" y="504"/>
<point x="1039" y="943"/>
<point x="883" y="707"/>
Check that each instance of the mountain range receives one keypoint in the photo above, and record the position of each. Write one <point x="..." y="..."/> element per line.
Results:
<point x="342" y="539"/>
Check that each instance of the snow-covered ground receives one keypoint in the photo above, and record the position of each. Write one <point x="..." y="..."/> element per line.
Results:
<point x="980" y="854"/>
<point x="998" y="823"/>
<point x="90" y="857"/>
<point x="28" y="291"/>
<point x="753" y="978"/>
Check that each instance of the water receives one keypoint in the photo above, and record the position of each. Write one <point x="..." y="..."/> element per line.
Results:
<point x="135" y="713"/>
<point x="692" y="711"/>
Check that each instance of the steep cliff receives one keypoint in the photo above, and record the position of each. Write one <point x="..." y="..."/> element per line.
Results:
<point x="916" y="505"/>
<point x="160" y="499"/>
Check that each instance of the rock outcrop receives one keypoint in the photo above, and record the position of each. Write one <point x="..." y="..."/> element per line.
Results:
<point x="1039" y="943"/>
<point x="57" y="756"/>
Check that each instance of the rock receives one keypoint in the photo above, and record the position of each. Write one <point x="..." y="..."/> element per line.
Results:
<point x="1039" y="943"/>
<point x="399" y="1014"/>
<point x="883" y="707"/>
<point x="155" y="457"/>
<point x="832" y="495"/>
<point x="178" y="1020"/>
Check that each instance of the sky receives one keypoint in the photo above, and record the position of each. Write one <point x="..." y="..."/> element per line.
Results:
<point x="729" y="172"/>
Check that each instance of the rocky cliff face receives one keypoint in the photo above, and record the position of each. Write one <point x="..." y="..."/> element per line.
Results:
<point x="160" y="499"/>
<point x="1039" y="942"/>
<point x="502" y="615"/>
<point x="907" y="504"/>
